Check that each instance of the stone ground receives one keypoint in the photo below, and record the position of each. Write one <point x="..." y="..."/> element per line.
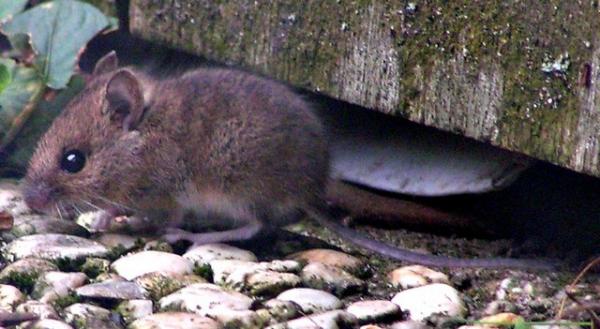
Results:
<point x="302" y="278"/>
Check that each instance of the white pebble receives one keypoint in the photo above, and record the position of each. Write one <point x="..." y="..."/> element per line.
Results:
<point x="425" y="301"/>
<point x="373" y="310"/>
<point x="134" y="265"/>
<point x="10" y="297"/>
<point x="54" y="246"/>
<point x="175" y="320"/>
<point x="311" y="300"/>
<point x="415" y="276"/>
<point x="202" y="298"/>
<point x="205" y="253"/>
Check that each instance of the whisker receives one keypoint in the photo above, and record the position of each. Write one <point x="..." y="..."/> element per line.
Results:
<point x="58" y="210"/>
<point x="90" y="204"/>
<point x="79" y="212"/>
<point x="119" y="205"/>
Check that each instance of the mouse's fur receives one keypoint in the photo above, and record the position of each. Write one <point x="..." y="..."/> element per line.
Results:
<point x="212" y="140"/>
<point x="221" y="143"/>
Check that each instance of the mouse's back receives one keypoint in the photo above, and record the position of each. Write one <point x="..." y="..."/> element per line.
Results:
<point x="248" y="136"/>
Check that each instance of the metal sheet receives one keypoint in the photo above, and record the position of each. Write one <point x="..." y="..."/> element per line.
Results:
<point x="399" y="156"/>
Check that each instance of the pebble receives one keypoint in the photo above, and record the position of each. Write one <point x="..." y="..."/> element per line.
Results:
<point x="328" y="320"/>
<point x="10" y="297"/>
<point x="29" y="267"/>
<point x="43" y="310"/>
<point x="135" y="309"/>
<point x="523" y="290"/>
<point x="373" y="310"/>
<point x="106" y="277"/>
<point x="261" y="283"/>
<point x="203" y="254"/>
<point x="120" y="241"/>
<point x="499" y="306"/>
<point x="41" y="224"/>
<point x="50" y="324"/>
<point x="279" y="310"/>
<point x="202" y="298"/>
<point x="83" y="316"/>
<point x="242" y="319"/>
<point x="53" y="246"/>
<point x="331" y="279"/>
<point x="134" y="265"/>
<point x="409" y="324"/>
<point x="415" y="276"/>
<point x="116" y="290"/>
<point x="11" y="199"/>
<point x="160" y="284"/>
<point x="331" y="257"/>
<point x="54" y="284"/>
<point x="281" y="266"/>
<point x="311" y="300"/>
<point x="175" y="320"/>
<point x="422" y="302"/>
<point x="222" y="268"/>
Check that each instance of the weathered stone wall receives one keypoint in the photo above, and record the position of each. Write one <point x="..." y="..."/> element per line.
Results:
<point x="522" y="75"/>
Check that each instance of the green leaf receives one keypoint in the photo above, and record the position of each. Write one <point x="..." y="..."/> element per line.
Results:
<point x="113" y="23"/>
<point x="8" y="8"/>
<point x="24" y="83"/>
<point x="521" y="324"/>
<point x="59" y="30"/>
<point x="5" y="77"/>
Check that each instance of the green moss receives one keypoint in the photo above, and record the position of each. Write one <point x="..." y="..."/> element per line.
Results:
<point x="204" y="271"/>
<point x="69" y="265"/>
<point x="65" y="301"/>
<point x="115" y="252"/>
<point x="24" y="281"/>
<point x="163" y="288"/>
<point x="80" y="323"/>
<point x="126" y="311"/>
<point x="92" y="267"/>
<point x="520" y="37"/>
<point x="293" y="41"/>
<point x="159" y="246"/>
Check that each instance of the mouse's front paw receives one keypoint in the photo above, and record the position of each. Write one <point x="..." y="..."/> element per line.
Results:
<point x="173" y="235"/>
<point x="100" y="221"/>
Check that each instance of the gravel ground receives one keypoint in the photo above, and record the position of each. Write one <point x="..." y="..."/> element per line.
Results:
<point x="302" y="277"/>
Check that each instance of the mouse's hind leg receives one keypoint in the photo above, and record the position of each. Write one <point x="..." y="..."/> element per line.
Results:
<point x="244" y="222"/>
<point x="246" y="232"/>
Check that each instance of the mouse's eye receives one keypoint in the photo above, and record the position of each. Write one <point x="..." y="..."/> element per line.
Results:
<point x="72" y="161"/>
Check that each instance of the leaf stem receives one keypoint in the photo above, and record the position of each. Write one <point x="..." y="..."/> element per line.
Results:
<point x="22" y="118"/>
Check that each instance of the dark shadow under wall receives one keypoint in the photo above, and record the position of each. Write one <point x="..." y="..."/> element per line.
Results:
<point x="547" y="209"/>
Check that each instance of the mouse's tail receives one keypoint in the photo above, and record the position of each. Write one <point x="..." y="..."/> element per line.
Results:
<point x="367" y="242"/>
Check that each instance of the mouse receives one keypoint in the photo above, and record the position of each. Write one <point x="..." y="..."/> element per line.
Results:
<point x="221" y="144"/>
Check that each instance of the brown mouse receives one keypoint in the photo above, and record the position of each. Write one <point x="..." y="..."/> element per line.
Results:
<point x="217" y="142"/>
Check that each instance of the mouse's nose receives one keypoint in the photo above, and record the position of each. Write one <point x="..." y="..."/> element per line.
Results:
<point x="37" y="196"/>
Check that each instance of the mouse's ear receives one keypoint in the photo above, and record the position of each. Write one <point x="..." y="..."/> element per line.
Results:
<point x="107" y="63"/>
<point x="124" y="100"/>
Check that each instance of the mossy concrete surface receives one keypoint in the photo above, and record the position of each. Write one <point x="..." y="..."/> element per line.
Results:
<point x="522" y="75"/>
